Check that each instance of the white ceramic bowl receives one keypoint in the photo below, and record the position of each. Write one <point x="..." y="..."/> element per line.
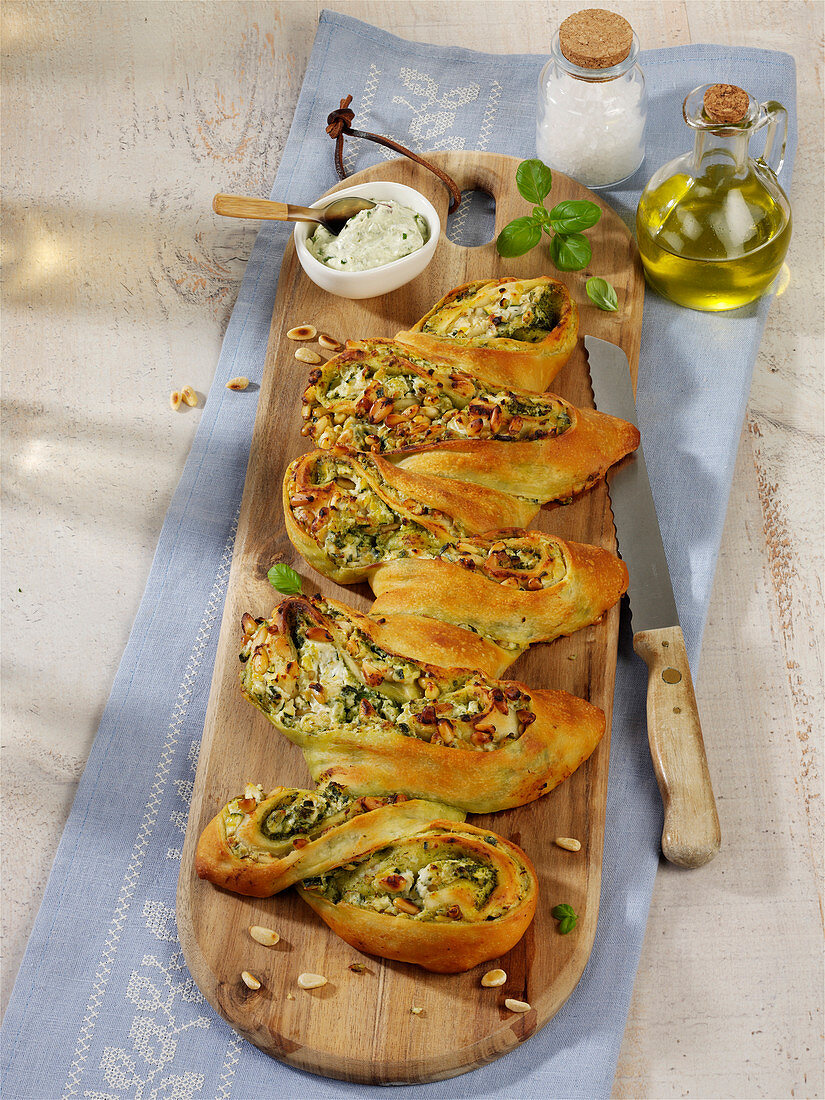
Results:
<point x="378" y="280"/>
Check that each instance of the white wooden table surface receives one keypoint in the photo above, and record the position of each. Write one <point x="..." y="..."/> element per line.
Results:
<point x="120" y="121"/>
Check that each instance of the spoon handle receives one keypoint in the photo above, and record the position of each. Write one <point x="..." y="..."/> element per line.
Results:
<point x="241" y="206"/>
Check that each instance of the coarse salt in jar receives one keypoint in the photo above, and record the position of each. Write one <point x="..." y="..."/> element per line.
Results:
<point x="592" y="105"/>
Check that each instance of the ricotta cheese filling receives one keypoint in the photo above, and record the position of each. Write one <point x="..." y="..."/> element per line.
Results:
<point x="335" y="681"/>
<point x="514" y="311"/>
<point x="422" y="879"/>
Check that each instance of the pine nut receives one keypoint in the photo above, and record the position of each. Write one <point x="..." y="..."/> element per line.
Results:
<point x="569" y="843"/>
<point x="311" y="981"/>
<point x="494" y="978"/>
<point x="260" y="660"/>
<point x="302" y="332"/>
<point x="406" y="907"/>
<point x="516" y="1006"/>
<point x="175" y="399"/>
<point x="249" y="980"/>
<point x="306" y="355"/>
<point x="189" y="396"/>
<point x="266" y="936"/>
<point x="329" y="342"/>
<point x="416" y="1011"/>
<point x="239" y="383"/>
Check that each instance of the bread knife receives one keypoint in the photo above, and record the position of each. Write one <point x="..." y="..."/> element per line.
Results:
<point x="691" y="835"/>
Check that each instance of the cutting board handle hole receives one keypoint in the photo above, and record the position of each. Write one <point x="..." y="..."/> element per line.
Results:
<point x="474" y="222"/>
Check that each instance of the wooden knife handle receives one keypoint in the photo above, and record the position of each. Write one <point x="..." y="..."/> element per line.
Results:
<point x="691" y="834"/>
<point x="242" y="206"/>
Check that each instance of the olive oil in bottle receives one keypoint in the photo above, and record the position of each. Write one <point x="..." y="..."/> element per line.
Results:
<point x="713" y="226"/>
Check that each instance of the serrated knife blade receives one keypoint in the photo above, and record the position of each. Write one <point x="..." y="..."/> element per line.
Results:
<point x="691" y="834"/>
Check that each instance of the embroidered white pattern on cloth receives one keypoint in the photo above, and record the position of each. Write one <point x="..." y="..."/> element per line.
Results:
<point x="114" y="1063"/>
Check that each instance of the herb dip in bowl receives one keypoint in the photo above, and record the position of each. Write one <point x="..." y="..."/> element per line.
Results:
<point x="378" y="250"/>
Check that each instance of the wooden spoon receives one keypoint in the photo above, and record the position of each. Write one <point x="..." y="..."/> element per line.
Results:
<point x="333" y="216"/>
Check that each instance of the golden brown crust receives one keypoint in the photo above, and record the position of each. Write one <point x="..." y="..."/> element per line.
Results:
<point x="445" y="946"/>
<point x="512" y="363"/>
<point x="593" y="580"/>
<point x="431" y="639"/>
<point x="554" y="469"/>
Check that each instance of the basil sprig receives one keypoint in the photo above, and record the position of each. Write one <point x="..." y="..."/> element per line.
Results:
<point x="569" y="249"/>
<point x="602" y="294"/>
<point x="566" y="917"/>
<point x="284" y="578"/>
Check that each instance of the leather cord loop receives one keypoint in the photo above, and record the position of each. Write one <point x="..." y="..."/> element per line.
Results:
<point x="339" y="123"/>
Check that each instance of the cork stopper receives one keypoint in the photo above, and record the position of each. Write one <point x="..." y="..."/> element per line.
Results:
<point x="726" y="103"/>
<point x="595" y="38"/>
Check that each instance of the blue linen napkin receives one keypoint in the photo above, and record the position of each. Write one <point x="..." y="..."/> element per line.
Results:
<point x="104" y="1006"/>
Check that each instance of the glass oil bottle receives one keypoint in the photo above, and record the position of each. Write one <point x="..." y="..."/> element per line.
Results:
<point x="713" y="226"/>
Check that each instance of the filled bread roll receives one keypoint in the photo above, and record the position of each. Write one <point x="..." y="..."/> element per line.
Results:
<point x="446" y="898"/>
<point x="381" y="398"/>
<point x="259" y="844"/>
<point x="347" y="513"/>
<point x="510" y="332"/>
<point x="379" y="723"/>
<point x="512" y="588"/>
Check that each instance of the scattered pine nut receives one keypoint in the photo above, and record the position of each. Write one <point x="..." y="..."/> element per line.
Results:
<point x="239" y="383"/>
<point x="265" y="936"/>
<point x="494" y="978"/>
<point x="302" y="332"/>
<point x="416" y="1011"/>
<point x="290" y="996"/>
<point x="311" y="981"/>
<point x="329" y="342"/>
<point x="249" y="980"/>
<point x="189" y="396"/>
<point x="516" y="1006"/>
<point x="357" y="968"/>
<point x="306" y="355"/>
<point x="569" y="843"/>
<point x="175" y="399"/>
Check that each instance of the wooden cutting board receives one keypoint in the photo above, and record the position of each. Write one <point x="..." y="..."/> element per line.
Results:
<point x="359" y="1027"/>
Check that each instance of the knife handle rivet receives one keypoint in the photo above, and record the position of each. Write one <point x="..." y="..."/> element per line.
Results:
<point x="665" y="645"/>
<point x="671" y="676"/>
<point x="677" y="710"/>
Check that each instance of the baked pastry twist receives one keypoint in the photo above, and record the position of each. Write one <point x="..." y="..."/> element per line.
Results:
<point x="380" y="397"/>
<point x="511" y="332"/>
<point x="511" y="588"/>
<point x="259" y="844"/>
<point x="495" y="594"/>
<point x="347" y="513"/>
<point x="445" y="898"/>
<point x="379" y="723"/>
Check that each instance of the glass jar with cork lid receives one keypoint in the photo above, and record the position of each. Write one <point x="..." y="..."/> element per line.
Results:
<point x="592" y="105"/>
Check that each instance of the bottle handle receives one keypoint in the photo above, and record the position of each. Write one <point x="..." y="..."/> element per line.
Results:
<point x="773" y="155"/>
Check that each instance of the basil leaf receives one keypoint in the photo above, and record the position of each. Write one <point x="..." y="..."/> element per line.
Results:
<point x="570" y="251"/>
<point x="559" y="912"/>
<point x="534" y="180"/>
<point x="518" y="237"/>
<point x="574" y="215"/>
<point x="567" y="925"/>
<point x="284" y="578"/>
<point x="602" y="294"/>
